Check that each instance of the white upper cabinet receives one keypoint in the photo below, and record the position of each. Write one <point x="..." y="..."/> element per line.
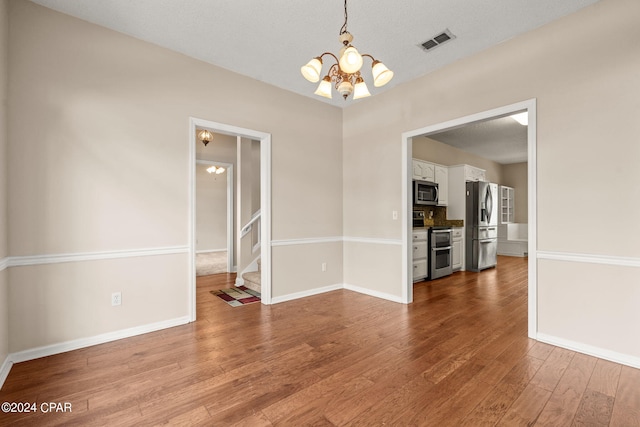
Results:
<point x="424" y="171"/>
<point x="472" y="173"/>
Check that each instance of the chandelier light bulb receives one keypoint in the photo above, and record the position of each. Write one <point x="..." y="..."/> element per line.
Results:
<point x="312" y="70"/>
<point x="219" y="171"/>
<point x="324" y="88"/>
<point x="381" y="74"/>
<point x="360" y="90"/>
<point x="350" y="60"/>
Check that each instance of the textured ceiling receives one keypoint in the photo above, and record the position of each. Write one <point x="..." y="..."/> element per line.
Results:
<point x="502" y="140"/>
<point x="270" y="40"/>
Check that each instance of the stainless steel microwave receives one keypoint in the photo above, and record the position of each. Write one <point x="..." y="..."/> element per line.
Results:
<point x="425" y="193"/>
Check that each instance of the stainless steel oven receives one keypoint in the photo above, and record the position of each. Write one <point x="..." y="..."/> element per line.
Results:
<point x="440" y="252"/>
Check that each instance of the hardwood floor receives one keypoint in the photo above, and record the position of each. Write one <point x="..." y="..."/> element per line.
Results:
<point x="458" y="355"/>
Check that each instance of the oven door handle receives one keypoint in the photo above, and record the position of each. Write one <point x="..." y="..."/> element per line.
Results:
<point x="441" y="231"/>
<point x="445" y="248"/>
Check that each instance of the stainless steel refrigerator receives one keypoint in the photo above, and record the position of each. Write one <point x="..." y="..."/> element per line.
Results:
<point x="481" y="225"/>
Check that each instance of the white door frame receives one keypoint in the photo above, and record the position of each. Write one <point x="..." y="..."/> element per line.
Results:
<point x="229" y="168"/>
<point x="529" y="106"/>
<point x="265" y="203"/>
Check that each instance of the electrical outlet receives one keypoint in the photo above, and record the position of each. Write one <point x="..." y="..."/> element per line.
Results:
<point x="324" y="266"/>
<point x="116" y="298"/>
<point x="394" y="214"/>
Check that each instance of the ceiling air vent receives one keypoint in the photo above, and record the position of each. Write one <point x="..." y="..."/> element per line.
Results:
<point x="436" y="41"/>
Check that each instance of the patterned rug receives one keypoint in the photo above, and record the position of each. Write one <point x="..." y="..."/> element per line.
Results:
<point x="237" y="296"/>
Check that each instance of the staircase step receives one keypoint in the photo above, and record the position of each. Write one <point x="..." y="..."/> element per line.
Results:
<point x="252" y="280"/>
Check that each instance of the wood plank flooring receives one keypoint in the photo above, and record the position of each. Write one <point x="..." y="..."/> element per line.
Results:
<point x="458" y="356"/>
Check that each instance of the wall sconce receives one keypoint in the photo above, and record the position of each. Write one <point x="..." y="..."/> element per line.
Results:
<point x="205" y="136"/>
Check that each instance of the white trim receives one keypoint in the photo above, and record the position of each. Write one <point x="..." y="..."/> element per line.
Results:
<point x="265" y="203"/>
<point x="377" y="294"/>
<point x="528" y="105"/>
<point x="590" y="259"/>
<point x="4" y="263"/>
<point x="35" y="353"/>
<point x="5" y="369"/>
<point x="210" y="251"/>
<point x="373" y="240"/>
<point x="599" y="352"/>
<point x="18" y="261"/>
<point x="306" y="241"/>
<point x="302" y="294"/>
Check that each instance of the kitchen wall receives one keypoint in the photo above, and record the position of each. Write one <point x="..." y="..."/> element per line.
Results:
<point x="211" y="209"/>
<point x="515" y="175"/>
<point x="586" y="93"/>
<point x="105" y="169"/>
<point x="4" y="288"/>
<point x="431" y="150"/>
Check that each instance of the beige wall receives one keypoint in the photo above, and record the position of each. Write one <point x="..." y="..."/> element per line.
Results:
<point x="515" y="176"/>
<point x="583" y="99"/>
<point x="4" y="289"/>
<point x="428" y="149"/>
<point x="106" y="169"/>
<point x="211" y="209"/>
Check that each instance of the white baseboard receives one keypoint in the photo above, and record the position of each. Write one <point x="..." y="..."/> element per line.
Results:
<point x="601" y="353"/>
<point x="5" y="369"/>
<point x="310" y="292"/>
<point x="48" y="350"/>
<point x="377" y="294"/>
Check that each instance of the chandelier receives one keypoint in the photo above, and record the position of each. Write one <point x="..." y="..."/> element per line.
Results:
<point x="345" y="73"/>
<point x="205" y="136"/>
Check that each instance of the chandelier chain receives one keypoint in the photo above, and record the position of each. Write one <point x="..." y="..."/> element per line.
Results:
<point x="344" y="26"/>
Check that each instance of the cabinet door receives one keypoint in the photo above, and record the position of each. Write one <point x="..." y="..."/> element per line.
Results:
<point x="419" y="269"/>
<point x="456" y="255"/>
<point x="442" y="179"/>
<point x="419" y="250"/>
<point x="417" y="170"/>
<point x="424" y="171"/>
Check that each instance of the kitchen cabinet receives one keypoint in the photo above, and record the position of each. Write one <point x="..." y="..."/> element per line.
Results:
<point x="457" y="248"/>
<point x="442" y="179"/>
<point x="424" y="171"/>
<point x="427" y="171"/>
<point x="419" y="247"/>
<point x="507" y="212"/>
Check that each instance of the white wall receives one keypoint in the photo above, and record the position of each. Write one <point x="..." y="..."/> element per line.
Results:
<point x="109" y="172"/>
<point x="587" y="108"/>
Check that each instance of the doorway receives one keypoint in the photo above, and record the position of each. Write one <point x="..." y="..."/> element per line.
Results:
<point x="528" y="106"/>
<point x="214" y="217"/>
<point x="265" y="202"/>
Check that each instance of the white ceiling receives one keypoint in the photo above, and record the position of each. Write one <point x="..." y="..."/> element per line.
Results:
<point x="270" y="40"/>
<point x="502" y="140"/>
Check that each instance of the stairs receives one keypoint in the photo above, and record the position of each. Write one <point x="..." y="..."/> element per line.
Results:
<point x="252" y="279"/>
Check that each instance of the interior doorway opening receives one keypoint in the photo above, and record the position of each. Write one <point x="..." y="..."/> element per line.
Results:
<point x="244" y="136"/>
<point x="529" y="107"/>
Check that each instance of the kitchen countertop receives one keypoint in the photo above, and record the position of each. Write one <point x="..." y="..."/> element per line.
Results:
<point x="445" y="223"/>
